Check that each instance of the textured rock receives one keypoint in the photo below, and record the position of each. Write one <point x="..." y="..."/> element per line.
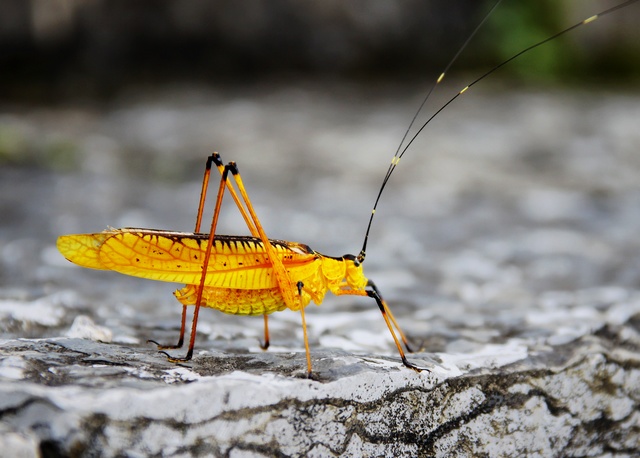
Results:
<point x="509" y="252"/>
<point x="579" y="398"/>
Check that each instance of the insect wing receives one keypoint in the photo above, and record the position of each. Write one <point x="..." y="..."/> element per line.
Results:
<point x="236" y="262"/>
<point x="83" y="249"/>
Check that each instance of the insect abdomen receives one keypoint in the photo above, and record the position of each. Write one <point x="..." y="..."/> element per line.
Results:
<point x="235" y="301"/>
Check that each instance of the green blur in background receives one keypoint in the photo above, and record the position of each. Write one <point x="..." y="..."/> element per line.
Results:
<point x="58" y="50"/>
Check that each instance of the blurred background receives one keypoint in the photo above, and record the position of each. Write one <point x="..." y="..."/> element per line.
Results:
<point x="62" y="50"/>
<point x="525" y="185"/>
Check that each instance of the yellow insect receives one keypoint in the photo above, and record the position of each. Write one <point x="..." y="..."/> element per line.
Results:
<point x="248" y="275"/>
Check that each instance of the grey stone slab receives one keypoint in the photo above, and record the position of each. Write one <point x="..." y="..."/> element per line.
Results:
<point x="506" y="246"/>
<point x="74" y="396"/>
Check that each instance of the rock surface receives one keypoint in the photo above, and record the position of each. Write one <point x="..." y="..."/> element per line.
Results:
<point x="63" y="396"/>
<point x="507" y="247"/>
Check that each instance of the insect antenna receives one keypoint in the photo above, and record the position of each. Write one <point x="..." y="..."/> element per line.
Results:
<point x="441" y="77"/>
<point x="402" y="148"/>
<point x="400" y="151"/>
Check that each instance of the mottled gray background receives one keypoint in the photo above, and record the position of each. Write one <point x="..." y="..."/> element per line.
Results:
<point x="506" y="243"/>
<point x="525" y="190"/>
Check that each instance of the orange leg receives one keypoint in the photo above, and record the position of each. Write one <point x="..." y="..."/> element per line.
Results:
<point x="304" y="332"/>
<point x="215" y="157"/>
<point x="282" y="277"/>
<point x="265" y="345"/>
<point x="203" y="197"/>
<point x="203" y="193"/>
<point x="183" y="322"/>
<point x="287" y="288"/>
<point x="389" y="319"/>
<point x="205" y="264"/>
<point x="255" y="227"/>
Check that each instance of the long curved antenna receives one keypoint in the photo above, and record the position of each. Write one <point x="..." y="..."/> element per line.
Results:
<point x="402" y="150"/>
<point x="399" y="150"/>
<point x="441" y="77"/>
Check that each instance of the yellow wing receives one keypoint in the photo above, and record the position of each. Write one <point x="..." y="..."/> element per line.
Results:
<point x="83" y="249"/>
<point x="236" y="262"/>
